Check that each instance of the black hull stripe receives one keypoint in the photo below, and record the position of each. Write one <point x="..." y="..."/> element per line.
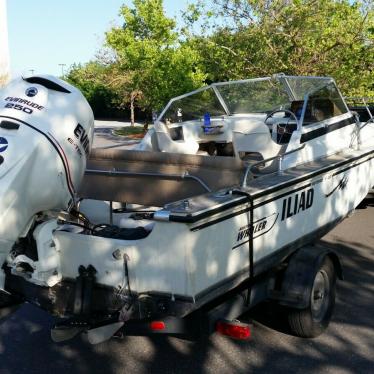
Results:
<point x="314" y="183"/>
<point x="66" y="168"/>
<point x="244" y="210"/>
<point x="314" y="174"/>
<point x="210" y="223"/>
<point x="325" y="130"/>
<point x="198" y="217"/>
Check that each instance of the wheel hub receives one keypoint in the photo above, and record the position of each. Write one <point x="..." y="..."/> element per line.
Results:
<point x="319" y="295"/>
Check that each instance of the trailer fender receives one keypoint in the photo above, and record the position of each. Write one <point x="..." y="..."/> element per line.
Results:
<point x="297" y="281"/>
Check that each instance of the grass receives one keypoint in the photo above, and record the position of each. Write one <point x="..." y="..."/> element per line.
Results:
<point x="136" y="132"/>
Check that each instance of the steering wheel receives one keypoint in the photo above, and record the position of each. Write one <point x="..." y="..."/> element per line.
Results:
<point x="279" y="125"/>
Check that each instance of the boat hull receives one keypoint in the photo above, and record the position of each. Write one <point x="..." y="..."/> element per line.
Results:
<point x="191" y="256"/>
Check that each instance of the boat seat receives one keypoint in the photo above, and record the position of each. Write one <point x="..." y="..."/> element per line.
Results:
<point x="323" y="109"/>
<point x="253" y="136"/>
<point x="188" y="145"/>
<point x="143" y="188"/>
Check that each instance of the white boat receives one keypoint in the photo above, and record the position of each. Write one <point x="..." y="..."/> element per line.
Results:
<point x="219" y="206"/>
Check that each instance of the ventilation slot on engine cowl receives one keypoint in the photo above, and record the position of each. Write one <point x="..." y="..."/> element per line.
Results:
<point x="47" y="84"/>
<point x="8" y="125"/>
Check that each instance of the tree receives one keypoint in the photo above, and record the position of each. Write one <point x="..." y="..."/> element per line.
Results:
<point x="91" y="79"/>
<point x="148" y="49"/>
<point x="148" y="60"/>
<point x="300" y="37"/>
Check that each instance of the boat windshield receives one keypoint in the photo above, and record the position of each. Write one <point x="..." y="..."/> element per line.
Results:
<point x="262" y="96"/>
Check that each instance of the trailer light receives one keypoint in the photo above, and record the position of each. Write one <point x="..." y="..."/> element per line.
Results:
<point x="235" y="330"/>
<point x="157" y="325"/>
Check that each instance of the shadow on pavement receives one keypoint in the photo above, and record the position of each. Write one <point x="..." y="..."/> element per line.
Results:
<point x="368" y="202"/>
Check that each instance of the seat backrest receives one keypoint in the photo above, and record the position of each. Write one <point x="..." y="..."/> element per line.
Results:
<point x="255" y="143"/>
<point x="254" y="137"/>
<point x="296" y="108"/>
<point x="323" y="109"/>
<point x="167" y="144"/>
<point x="149" y="142"/>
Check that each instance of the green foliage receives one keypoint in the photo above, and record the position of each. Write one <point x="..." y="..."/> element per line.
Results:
<point x="90" y="79"/>
<point x="151" y="61"/>
<point x="300" y="37"/>
<point x="148" y="49"/>
<point x="136" y="132"/>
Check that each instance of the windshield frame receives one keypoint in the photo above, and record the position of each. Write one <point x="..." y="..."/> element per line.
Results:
<point x="281" y="78"/>
<point x="311" y="93"/>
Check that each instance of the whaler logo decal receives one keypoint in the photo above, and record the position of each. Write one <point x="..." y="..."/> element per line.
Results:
<point x="298" y="203"/>
<point x="340" y="186"/>
<point x="260" y="227"/>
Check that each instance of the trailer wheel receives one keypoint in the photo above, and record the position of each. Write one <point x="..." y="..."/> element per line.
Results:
<point x="313" y="320"/>
<point x="8" y="305"/>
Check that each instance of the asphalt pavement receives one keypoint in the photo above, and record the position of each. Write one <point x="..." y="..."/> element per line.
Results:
<point x="104" y="137"/>
<point x="346" y="347"/>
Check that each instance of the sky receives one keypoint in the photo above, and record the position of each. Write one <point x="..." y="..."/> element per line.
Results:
<point x="44" y="34"/>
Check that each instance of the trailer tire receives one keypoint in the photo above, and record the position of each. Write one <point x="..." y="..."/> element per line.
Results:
<point x="313" y="320"/>
<point x="8" y="305"/>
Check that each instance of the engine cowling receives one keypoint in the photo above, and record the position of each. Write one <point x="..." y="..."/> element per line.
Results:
<point x="46" y="132"/>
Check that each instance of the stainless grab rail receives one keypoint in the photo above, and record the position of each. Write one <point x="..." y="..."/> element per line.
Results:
<point x="278" y="157"/>
<point x="113" y="173"/>
<point x="360" y="126"/>
<point x="364" y="100"/>
<point x="370" y="120"/>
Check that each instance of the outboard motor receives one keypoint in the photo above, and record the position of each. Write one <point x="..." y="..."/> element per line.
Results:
<point x="46" y="132"/>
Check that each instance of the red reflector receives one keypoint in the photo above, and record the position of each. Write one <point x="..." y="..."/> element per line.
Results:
<point x="157" y="325"/>
<point x="236" y="331"/>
